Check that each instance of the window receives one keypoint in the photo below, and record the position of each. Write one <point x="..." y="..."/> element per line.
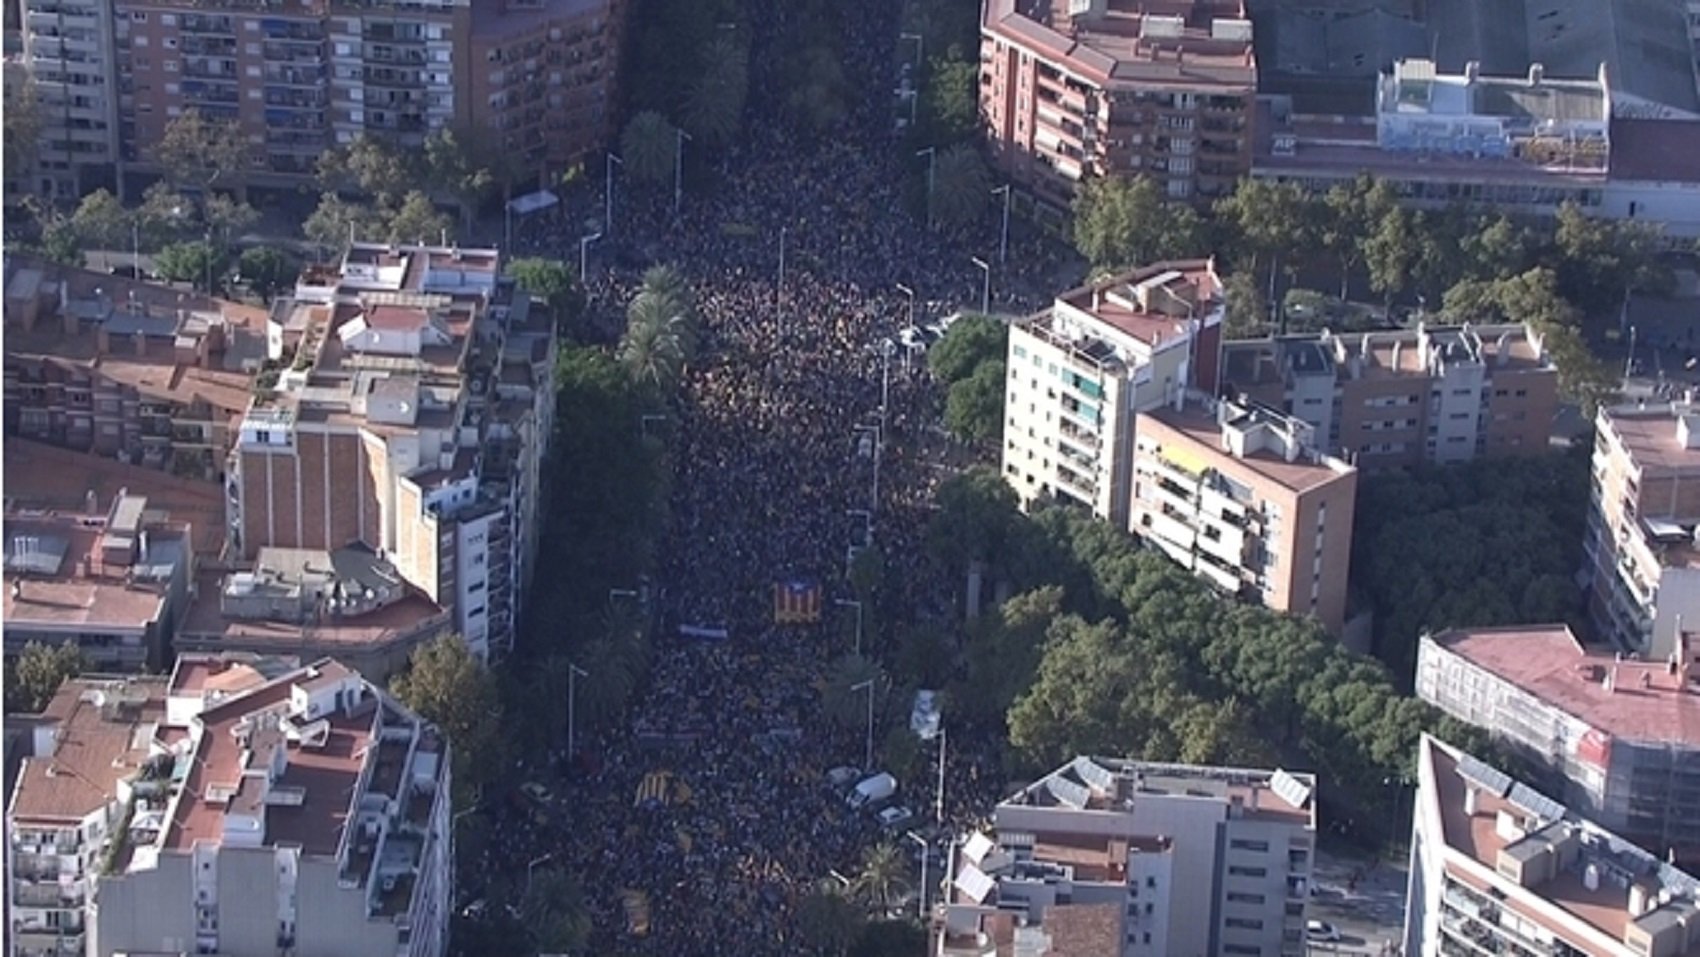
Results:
<point x="1234" y="898"/>
<point x="1244" y="923"/>
<point x="1244" y="845"/>
<point x="1248" y="872"/>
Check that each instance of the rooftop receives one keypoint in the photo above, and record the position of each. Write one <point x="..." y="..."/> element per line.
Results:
<point x="104" y="727"/>
<point x="1532" y="856"/>
<point x="1643" y="701"/>
<point x="1206" y="431"/>
<point x="46" y="477"/>
<point x="1116" y="784"/>
<point x="91" y="569"/>
<point x="1655" y="150"/>
<point x="1122" y="319"/>
<point x="208" y="628"/>
<point x="1661" y="438"/>
<point x="1393" y="352"/>
<point x="1415" y="87"/>
<point x="1144" y="43"/>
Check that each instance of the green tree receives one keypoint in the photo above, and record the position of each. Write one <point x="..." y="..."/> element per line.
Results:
<point x="226" y="219"/>
<point x="370" y="166"/>
<point x="1351" y="211"/>
<point x="648" y="148"/>
<point x="550" y="280"/>
<point x="453" y="169"/>
<point x="1496" y="249"/>
<point x="1601" y="261"/>
<point x="417" y="220"/>
<point x="102" y="222"/>
<point x="554" y="909"/>
<point x="20" y="121"/>
<point x="1003" y="652"/>
<point x="336" y="222"/>
<point x="198" y="262"/>
<point x="33" y="679"/>
<point x="447" y="686"/>
<point x="656" y="344"/>
<point x="973" y="408"/>
<point x="951" y="100"/>
<point x="1392" y="252"/>
<point x="1247" y="312"/>
<point x="267" y="270"/>
<point x="970" y="342"/>
<point x="1534" y="297"/>
<point x="714" y="105"/>
<point x="198" y="151"/>
<point x="827" y="922"/>
<point x="961" y="186"/>
<point x="1125" y="221"/>
<point x="1271" y="220"/>
<point x="883" y="875"/>
<point x="890" y="938"/>
<point x="165" y="215"/>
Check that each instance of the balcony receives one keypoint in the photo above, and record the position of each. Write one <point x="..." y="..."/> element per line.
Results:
<point x="201" y="23"/>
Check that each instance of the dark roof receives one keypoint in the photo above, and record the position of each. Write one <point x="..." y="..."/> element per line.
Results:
<point x="1662" y="150"/>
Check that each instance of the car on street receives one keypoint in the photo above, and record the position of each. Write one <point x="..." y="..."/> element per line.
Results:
<point x="843" y="776"/>
<point x="1321" y="930"/>
<point x="871" y="791"/>
<point x="893" y="818"/>
<point x="913" y="338"/>
<point x="536" y="792"/>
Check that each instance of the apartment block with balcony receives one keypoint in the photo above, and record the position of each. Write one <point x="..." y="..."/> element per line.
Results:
<point x="1621" y="737"/>
<point x="1079" y="372"/>
<point x="412" y="422"/>
<point x="1400" y="398"/>
<point x="1139" y="859"/>
<point x="1497" y="867"/>
<point x="1238" y="493"/>
<point x="1642" y="550"/>
<point x="142" y="373"/>
<point x="1161" y="88"/>
<point x="68" y="50"/>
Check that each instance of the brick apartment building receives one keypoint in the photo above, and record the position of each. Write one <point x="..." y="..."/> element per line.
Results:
<point x="1399" y="398"/>
<point x="532" y="79"/>
<point x="1163" y="88"/>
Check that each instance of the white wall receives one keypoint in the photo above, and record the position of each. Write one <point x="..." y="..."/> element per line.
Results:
<point x="1676" y="206"/>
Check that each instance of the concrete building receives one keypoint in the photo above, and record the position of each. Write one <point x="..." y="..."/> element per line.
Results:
<point x="142" y="373"/>
<point x="1238" y="493"/>
<point x="1080" y="371"/>
<point x="1499" y="868"/>
<point x="1622" y="737"/>
<point x="1641" y="557"/>
<point x="413" y="421"/>
<point x="1161" y="88"/>
<point x="69" y="51"/>
<point x="1401" y="398"/>
<point x="1140" y="859"/>
<point x="114" y="582"/>
<point x="233" y="810"/>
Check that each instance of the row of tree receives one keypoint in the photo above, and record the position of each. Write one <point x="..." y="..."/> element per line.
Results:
<point x="968" y="363"/>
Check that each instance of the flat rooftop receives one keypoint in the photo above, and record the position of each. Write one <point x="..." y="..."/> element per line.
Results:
<point x="1115" y="784"/>
<point x="1143" y="43"/>
<point x="1203" y="435"/>
<point x="1190" y="288"/>
<point x="105" y="727"/>
<point x="1651" y="436"/>
<point x="73" y="569"/>
<point x="207" y="628"/>
<point x="1646" y="703"/>
<point x="1657" y="150"/>
<point x="42" y="476"/>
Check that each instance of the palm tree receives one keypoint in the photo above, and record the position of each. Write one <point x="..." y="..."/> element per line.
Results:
<point x="649" y="147"/>
<point x="652" y="349"/>
<point x="554" y="910"/>
<point x="663" y="281"/>
<point x="961" y="186"/>
<point x="827" y="922"/>
<point x="883" y="875"/>
<point x="714" y="107"/>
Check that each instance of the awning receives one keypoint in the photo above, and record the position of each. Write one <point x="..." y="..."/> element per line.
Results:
<point x="974" y="882"/>
<point x="533" y="202"/>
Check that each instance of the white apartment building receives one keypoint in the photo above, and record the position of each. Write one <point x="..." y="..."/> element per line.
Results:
<point x="1150" y="859"/>
<point x="231" y="809"/>
<point x="1642" y="550"/>
<point x="1079" y="372"/>
<point x="68" y="51"/>
<point x="1499" y="868"/>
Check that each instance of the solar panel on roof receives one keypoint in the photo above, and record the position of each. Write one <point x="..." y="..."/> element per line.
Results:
<point x="1290" y="789"/>
<point x="974" y="882"/>
<point x="1094" y="775"/>
<point x="1488" y="779"/>
<point x="1074" y="795"/>
<point x="1536" y="803"/>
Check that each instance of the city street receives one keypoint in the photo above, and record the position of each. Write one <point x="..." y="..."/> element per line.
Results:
<point x="1365" y="902"/>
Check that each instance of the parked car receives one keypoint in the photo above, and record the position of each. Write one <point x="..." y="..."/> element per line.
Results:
<point x="536" y="792"/>
<point x="895" y="817"/>
<point x="841" y="777"/>
<point x="1321" y="930"/>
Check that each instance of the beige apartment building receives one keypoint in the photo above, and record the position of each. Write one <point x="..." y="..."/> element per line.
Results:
<point x="68" y="51"/>
<point x="237" y="806"/>
<point x="530" y="79"/>
<point x="412" y="421"/>
<point x="1238" y="493"/>
<point x="1404" y="397"/>
<point x="1079" y="373"/>
<point x="1160" y="88"/>
<point x="1121" y="858"/>
<point x="1499" y="868"/>
<point x="1623" y="735"/>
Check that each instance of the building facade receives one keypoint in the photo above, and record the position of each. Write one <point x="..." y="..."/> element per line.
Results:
<point x="1238" y="494"/>
<point x="535" y="76"/>
<point x="1498" y="867"/>
<point x="1641" y="554"/>
<point x="1401" y="398"/>
<point x="1192" y="860"/>
<point x="1622" y="737"/>
<point x="1079" y="373"/>
<point x="1157" y="88"/>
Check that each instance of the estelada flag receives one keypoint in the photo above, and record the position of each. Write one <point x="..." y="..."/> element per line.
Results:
<point x="796" y="602"/>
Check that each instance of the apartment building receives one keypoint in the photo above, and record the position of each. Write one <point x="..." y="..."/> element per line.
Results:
<point x="1238" y="493"/>
<point x="1622" y="737"/>
<point x="113" y="581"/>
<point x="1400" y="398"/>
<point x="1160" y="88"/>
<point x="413" y="422"/>
<point x="231" y="809"/>
<point x="1499" y="868"/>
<point x="69" y="51"/>
<point x="1642" y="554"/>
<point x="1140" y="859"/>
<point x="300" y="78"/>
<point x="123" y="369"/>
<point x="1080" y="371"/>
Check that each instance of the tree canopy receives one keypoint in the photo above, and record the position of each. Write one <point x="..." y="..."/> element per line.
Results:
<point x="1124" y="221"/>
<point x="36" y="675"/>
<point x="447" y="686"/>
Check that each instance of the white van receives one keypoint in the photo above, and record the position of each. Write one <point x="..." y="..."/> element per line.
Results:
<point x="872" y="790"/>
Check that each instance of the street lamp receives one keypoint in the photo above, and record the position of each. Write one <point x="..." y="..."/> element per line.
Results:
<point x="584" y="255"/>
<point x="868" y="755"/>
<point x="648" y="417"/>
<point x="938" y="801"/>
<point x="853" y="603"/>
<point x="614" y="593"/>
<point x="1003" y="234"/>
<point x="879" y="449"/>
<point x="608" y="190"/>
<point x="779" y="290"/>
<point x="529" y="868"/>
<point x="574" y="672"/>
<point x="906" y="350"/>
<point x="918" y="42"/>
<point x="986" y="288"/>
<point x="679" y="168"/>
<point x="932" y="155"/>
<point x="926" y="852"/>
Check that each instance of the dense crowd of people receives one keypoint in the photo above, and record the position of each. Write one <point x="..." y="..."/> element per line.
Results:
<point x="771" y="461"/>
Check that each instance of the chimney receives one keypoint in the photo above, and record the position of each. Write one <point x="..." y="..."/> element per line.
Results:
<point x="1611" y="679"/>
<point x="1472" y="71"/>
<point x="1537" y="72"/>
<point x="1470" y="801"/>
<point x="102" y="340"/>
<point x="141" y="343"/>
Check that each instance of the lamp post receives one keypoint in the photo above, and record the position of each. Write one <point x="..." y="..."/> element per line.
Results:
<point x="608" y="191"/>
<point x="887" y="347"/>
<point x="584" y="255"/>
<point x="531" y="867"/>
<point x="679" y="168"/>
<point x="879" y="449"/>
<point x="926" y="852"/>
<point x="906" y="349"/>
<point x="918" y="47"/>
<point x="868" y="754"/>
<point x="648" y="417"/>
<point x="986" y="287"/>
<point x="779" y="290"/>
<point x="853" y="603"/>
<point x="574" y="672"/>
<point x="938" y="800"/>
<point x="932" y="155"/>
<point x="1003" y="234"/>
